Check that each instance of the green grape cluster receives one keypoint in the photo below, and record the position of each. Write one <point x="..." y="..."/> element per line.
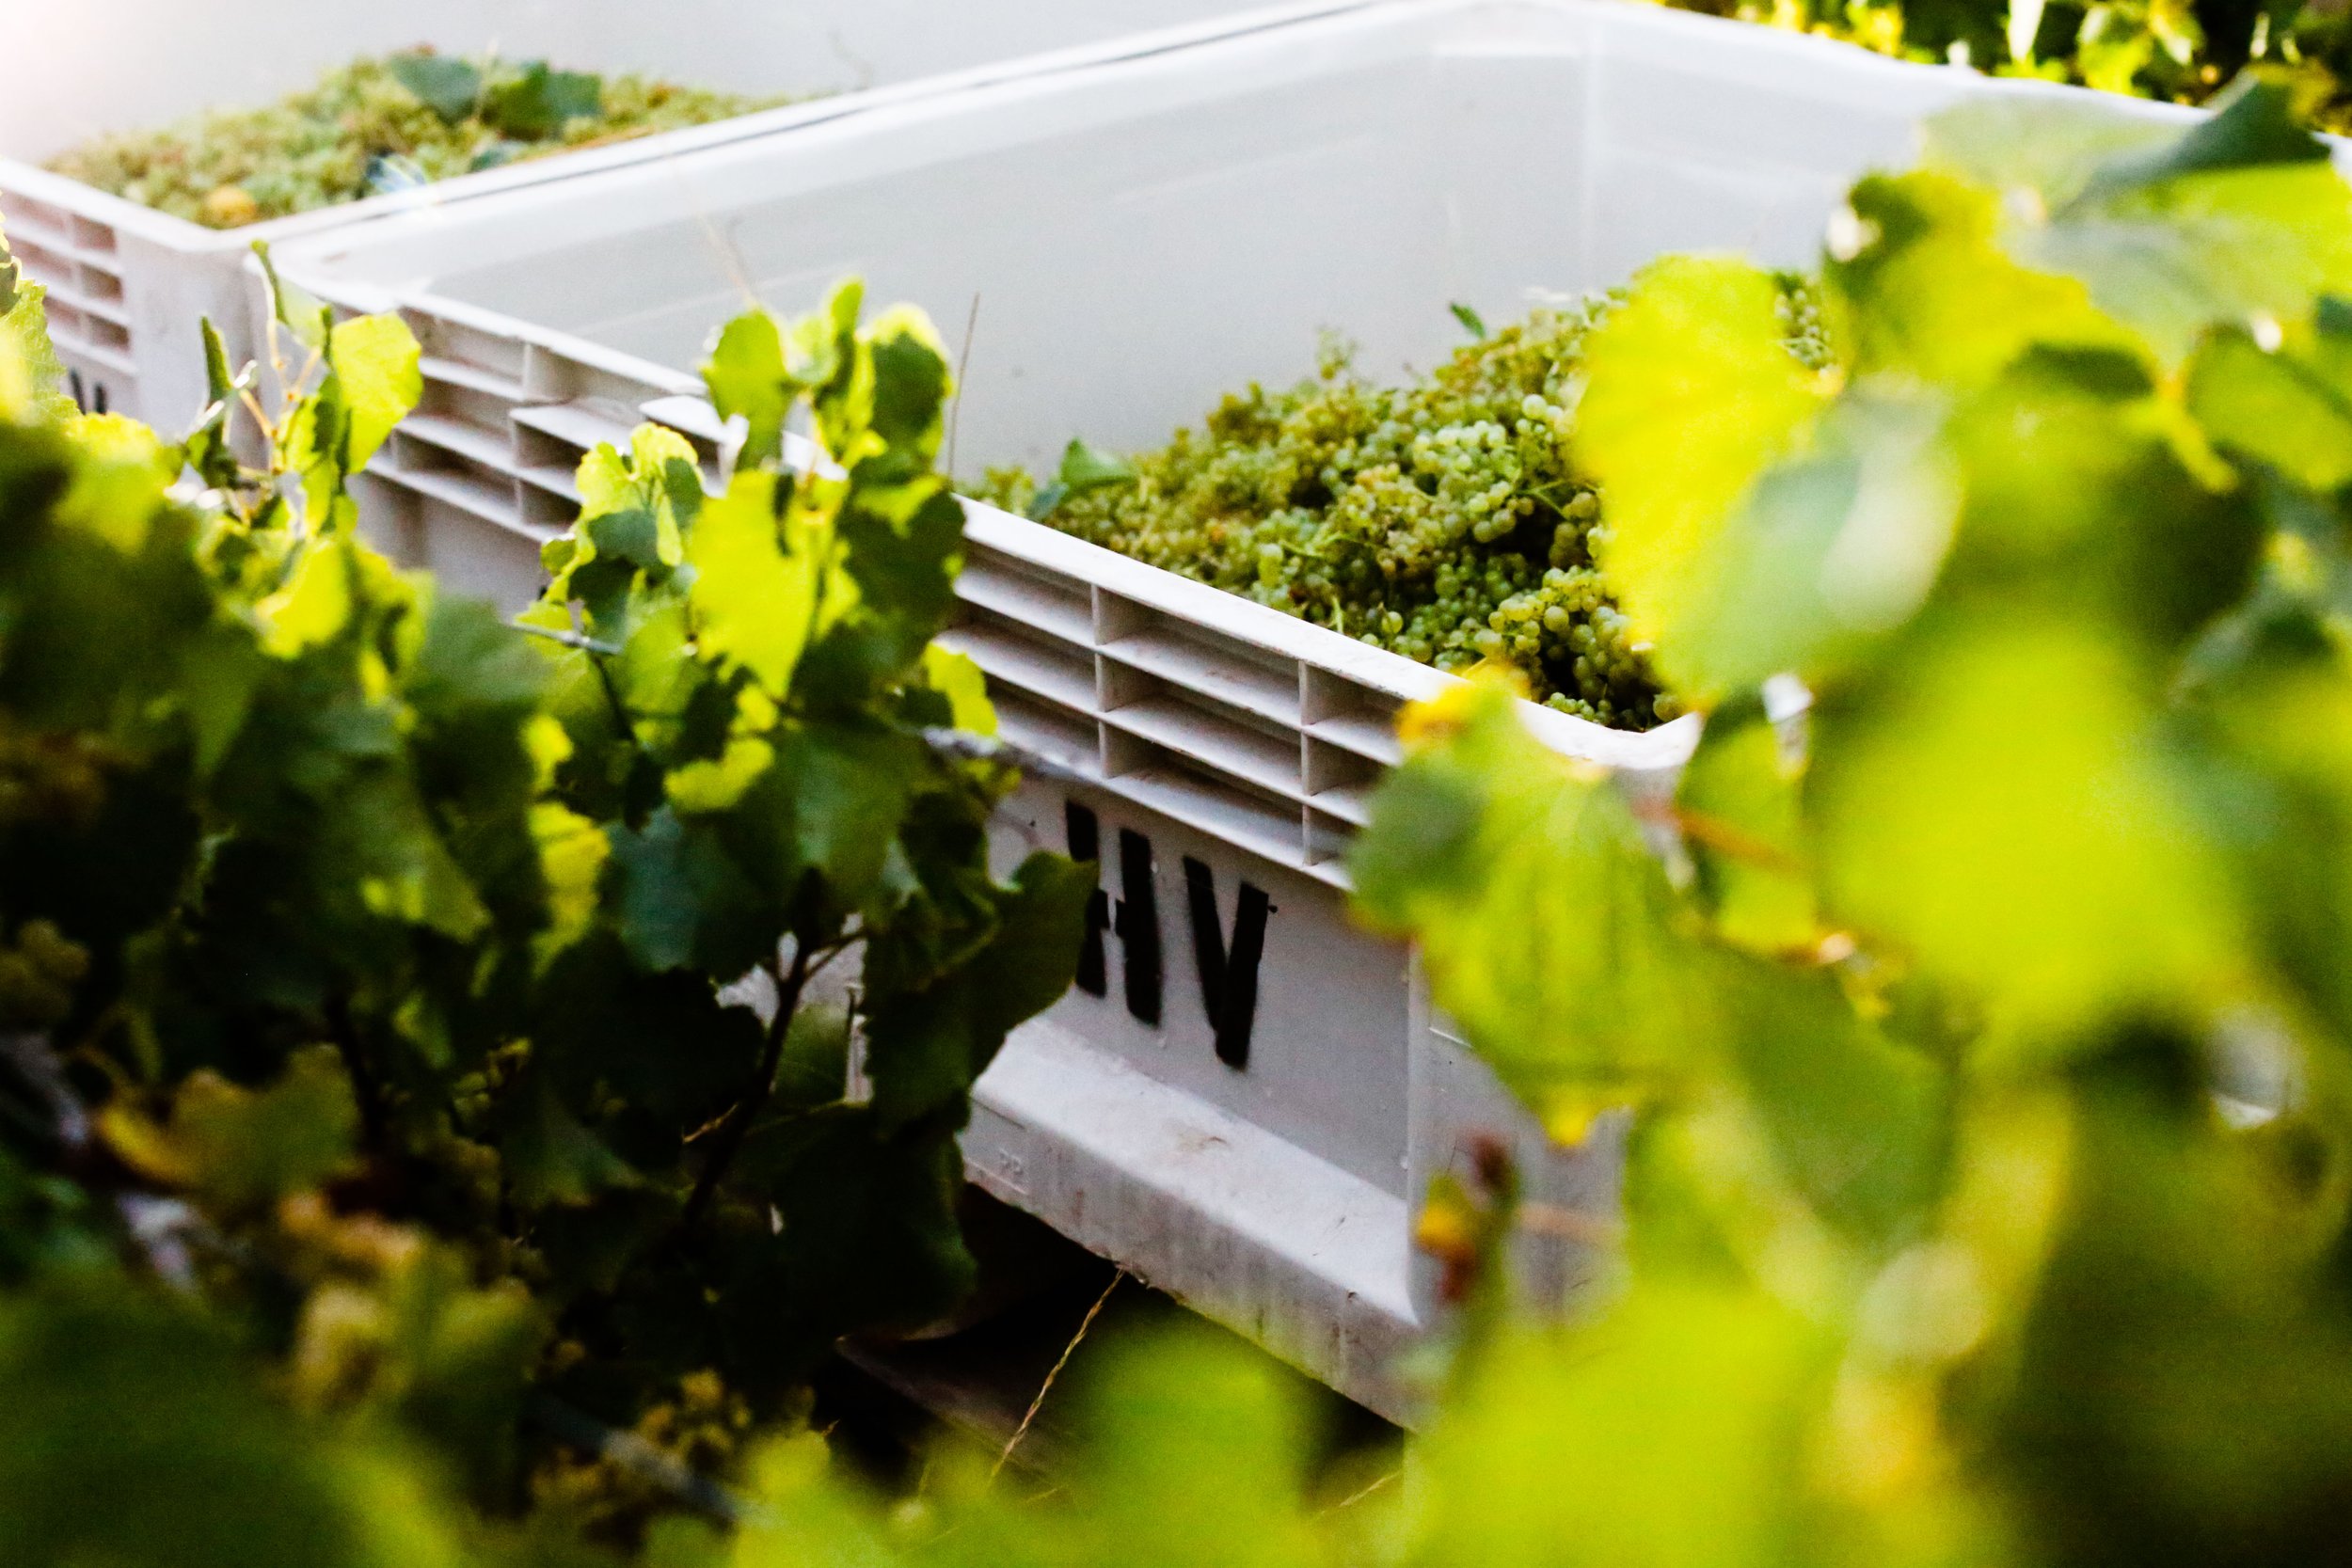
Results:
<point x="317" y="148"/>
<point x="39" y="972"/>
<point x="56" y="779"/>
<point x="1443" y="519"/>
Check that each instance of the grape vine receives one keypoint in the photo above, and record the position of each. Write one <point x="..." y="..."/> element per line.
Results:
<point x="455" y="1011"/>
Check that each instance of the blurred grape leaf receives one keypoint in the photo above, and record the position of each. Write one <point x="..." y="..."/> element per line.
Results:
<point x="1548" y="929"/>
<point x="450" y="88"/>
<point x="2235" y="220"/>
<point x="1690" y="395"/>
<point x="2044" y="855"/>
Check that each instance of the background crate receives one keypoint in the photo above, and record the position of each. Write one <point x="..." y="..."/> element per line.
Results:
<point x="1140" y="235"/>
<point x="127" y="283"/>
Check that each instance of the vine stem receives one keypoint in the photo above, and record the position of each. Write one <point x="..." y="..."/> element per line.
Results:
<point x="964" y="361"/>
<point x="364" y="1089"/>
<point x="737" y="1124"/>
<point x="1046" y="1387"/>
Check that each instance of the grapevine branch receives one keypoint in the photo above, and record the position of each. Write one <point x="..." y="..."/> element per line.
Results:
<point x="731" y="1133"/>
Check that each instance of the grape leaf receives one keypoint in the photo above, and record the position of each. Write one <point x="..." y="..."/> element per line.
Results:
<point x="1547" y="927"/>
<point x="450" y="88"/>
<point x="956" y="677"/>
<point x="2237" y="220"/>
<point x="375" y="361"/>
<point x="531" y="102"/>
<point x="32" y="379"/>
<point x="1742" y="823"/>
<point x="2053" y="866"/>
<point x="1689" y="396"/>
<point x="2290" y="407"/>
<point x="757" y="602"/>
<point x="746" y="377"/>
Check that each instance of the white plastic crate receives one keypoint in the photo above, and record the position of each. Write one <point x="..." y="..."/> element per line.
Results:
<point x="127" y="283"/>
<point x="1246" y="1098"/>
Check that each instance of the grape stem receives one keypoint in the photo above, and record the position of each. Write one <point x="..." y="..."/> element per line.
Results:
<point x="755" y="1097"/>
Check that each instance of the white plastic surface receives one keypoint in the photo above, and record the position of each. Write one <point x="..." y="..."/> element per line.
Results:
<point x="80" y="67"/>
<point x="127" y="283"/>
<point x="1140" y="235"/>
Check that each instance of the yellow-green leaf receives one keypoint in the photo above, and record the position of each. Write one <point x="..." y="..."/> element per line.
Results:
<point x="2291" y="407"/>
<point x="1689" y="395"/>
<point x="716" y="783"/>
<point x="954" y="676"/>
<point x="315" y="606"/>
<point x="1998" y="806"/>
<point x="755" y="605"/>
<point x="572" y="852"/>
<point x="120" y="481"/>
<point x="375" y="359"/>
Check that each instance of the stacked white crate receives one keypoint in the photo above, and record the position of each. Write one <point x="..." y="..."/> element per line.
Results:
<point x="127" y="283"/>
<point x="1128" y="239"/>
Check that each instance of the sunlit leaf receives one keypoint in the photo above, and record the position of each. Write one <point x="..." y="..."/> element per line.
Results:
<point x="1679" y="1414"/>
<point x="1690" y="395"/>
<point x="375" y="361"/>
<point x="2040" y="852"/>
<point x="954" y="676"/>
<point x="2237" y="220"/>
<point x="746" y="377"/>
<point x="2291" y="407"/>
<point x="1548" y="929"/>
<point x="756" y="604"/>
<point x="1742" y="819"/>
<point x="1929" y="292"/>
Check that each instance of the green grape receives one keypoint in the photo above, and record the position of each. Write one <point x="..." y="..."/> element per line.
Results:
<point x="1442" y="520"/>
<point x="39" y="972"/>
<point x="316" y="147"/>
<point x="56" y="779"/>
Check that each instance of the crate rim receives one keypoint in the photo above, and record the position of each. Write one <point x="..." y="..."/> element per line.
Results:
<point x="33" y="182"/>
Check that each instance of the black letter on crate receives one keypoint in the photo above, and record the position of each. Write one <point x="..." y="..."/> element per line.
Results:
<point x="1086" y="844"/>
<point x="1229" y="977"/>
<point x="1139" y="924"/>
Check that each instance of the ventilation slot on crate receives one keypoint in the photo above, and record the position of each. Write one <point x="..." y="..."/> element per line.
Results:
<point x="1352" y="718"/>
<point x="1027" y="596"/>
<point x="492" y="361"/>
<point x="1215" y="801"/>
<point x="1231" y="672"/>
<point x="49" y="268"/>
<point x="1216" y="738"/>
<point x="1327" y="841"/>
<point x="101" y="288"/>
<point x="89" y="235"/>
<point x="1016" y="658"/>
<point x="25" y="214"/>
<point x="696" y="420"/>
<point x="476" y="399"/>
<point x="453" y="478"/>
<point x="109" y="334"/>
<point x="1030" y="722"/>
<point x="1340" y="783"/>
<point x="549" y="376"/>
<point x="490" y="450"/>
<point x="553" y="437"/>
